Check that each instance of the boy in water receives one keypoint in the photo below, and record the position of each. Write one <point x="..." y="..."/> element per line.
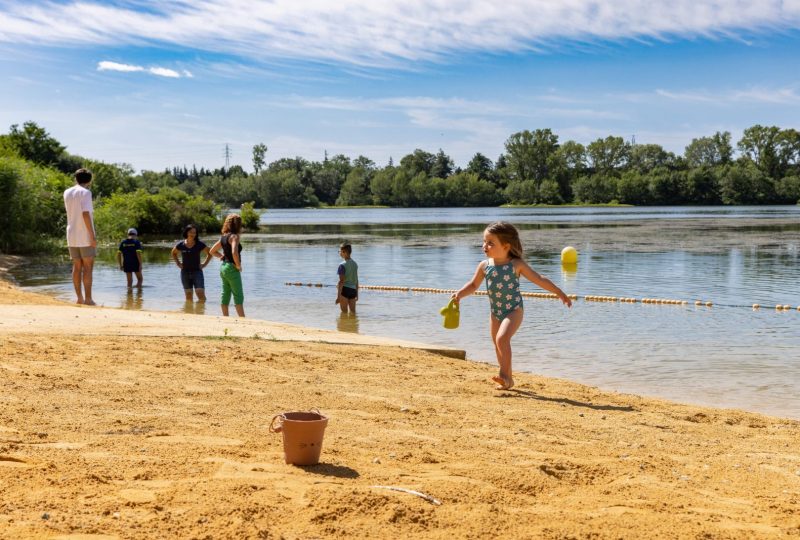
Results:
<point x="347" y="288"/>
<point x="129" y="257"/>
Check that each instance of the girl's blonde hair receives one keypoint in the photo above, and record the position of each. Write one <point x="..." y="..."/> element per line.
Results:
<point x="232" y="225"/>
<point x="507" y="234"/>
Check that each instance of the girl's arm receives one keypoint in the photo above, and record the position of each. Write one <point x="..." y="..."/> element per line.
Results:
<point x="523" y="269"/>
<point x="208" y="257"/>
<point x="214" y="251"/>
<point x="472" y="285"/>
<point x="234" y="240"/>
<point x="174" y="254"/>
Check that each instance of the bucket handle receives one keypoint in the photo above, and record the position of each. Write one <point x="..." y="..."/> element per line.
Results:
<point x="279" y="427"/>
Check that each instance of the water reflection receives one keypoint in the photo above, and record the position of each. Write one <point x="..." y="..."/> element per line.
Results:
<point x="347" y="322"/>
<point x="133" y="298"/>
<point x="194" y="308"/>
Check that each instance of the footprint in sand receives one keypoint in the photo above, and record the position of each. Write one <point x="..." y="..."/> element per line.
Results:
<point x="138" y="496"/>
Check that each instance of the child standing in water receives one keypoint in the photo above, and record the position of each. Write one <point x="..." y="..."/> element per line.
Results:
<point x="347" y="288"/>
<point x="501" y="270"/>
<point x="129" y="257"/>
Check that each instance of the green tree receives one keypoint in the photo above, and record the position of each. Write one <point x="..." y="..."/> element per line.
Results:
<point x="481" y="166"/>
<point x="709" y="151"/>
<point x="417" y="162"/>
<point x="108" y="178"/>
<point x="355" y="190"/>
<point x="381" y="186"/>
<point x="633" y="188"/>
<point x="442" y="166"/>
<point x="259" y="154"/>
<point x="743" y="182"/>
<point x="760" y="145"/>
<point x="646" y="157"/>
<point x="702" y="185"/>
<point x="596" y="189"/>
<point x="667" y="187"/>
<point x="34" y="143"/>
<point x="608" y="156"/>
<point x="788" y="189"/>
<point x="530" y="154"/>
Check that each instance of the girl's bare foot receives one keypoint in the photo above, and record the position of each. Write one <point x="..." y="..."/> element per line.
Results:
<point x="79" y="301"/>
<point x="502" y="383"/>
<point x="90" y="303"/>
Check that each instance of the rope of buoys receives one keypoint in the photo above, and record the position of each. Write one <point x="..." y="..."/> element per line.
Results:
<point x="551" y="296"/>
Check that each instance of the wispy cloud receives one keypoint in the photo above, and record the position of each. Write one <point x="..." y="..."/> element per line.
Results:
<point x="107" y="65"/>
<point x="385" y="32"/>
<point x="786" y="95"/>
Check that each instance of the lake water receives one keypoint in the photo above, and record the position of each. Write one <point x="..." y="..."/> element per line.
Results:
<point x="728" y="355"/>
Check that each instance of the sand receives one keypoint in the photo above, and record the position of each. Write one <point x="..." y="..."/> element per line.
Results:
<point x="110" y="433"/>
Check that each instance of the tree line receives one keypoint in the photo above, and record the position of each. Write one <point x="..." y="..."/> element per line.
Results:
<point x="535" y="167"/>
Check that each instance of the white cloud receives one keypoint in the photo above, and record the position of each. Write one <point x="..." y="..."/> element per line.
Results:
<point x="385" y="32"/>
<point x="106" y="65"/>
<point x="752" y="95"/>
<point x="164" y="72"/>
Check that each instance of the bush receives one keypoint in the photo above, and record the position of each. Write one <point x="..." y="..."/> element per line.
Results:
<point x="166" y="212"/>
<point x="34" y="212"/>
<point x="250" y="218"/>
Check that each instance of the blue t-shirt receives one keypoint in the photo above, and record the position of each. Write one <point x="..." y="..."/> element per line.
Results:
<point x="191" y="255"/>
<point x="128" y="248"/>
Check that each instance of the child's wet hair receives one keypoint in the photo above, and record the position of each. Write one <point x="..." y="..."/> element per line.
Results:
<point x="347" y="248"/>
<point x="507" y="234"/>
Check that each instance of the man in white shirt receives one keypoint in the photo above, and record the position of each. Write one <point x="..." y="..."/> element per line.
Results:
<point x="81" y="239"/>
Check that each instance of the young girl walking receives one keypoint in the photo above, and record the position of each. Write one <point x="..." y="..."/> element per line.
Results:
<point x="501" y="270"/>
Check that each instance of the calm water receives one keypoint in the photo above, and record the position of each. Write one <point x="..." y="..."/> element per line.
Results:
<point x="728" y="355"/>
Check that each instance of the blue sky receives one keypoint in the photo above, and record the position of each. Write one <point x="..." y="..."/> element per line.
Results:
<point x="170" y="83"/>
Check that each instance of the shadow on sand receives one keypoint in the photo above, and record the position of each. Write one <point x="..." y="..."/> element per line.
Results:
<point x="516" y="393"/>
<point x="328" y="469"/>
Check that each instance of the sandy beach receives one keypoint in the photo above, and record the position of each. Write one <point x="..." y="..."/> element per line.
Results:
<point x="121" y="424"/>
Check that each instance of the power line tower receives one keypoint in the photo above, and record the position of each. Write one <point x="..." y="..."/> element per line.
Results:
<point x="227" y="155"/>
<point x="633" y="140"/>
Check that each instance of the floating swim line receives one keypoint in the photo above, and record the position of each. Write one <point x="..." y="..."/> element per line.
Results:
<point x="551" y="296"/>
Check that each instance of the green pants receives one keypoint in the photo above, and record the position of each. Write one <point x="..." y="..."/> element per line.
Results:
<point x="231" y="283"/>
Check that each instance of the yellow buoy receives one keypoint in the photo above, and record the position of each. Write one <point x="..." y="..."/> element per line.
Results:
<point x="569" y="255"/>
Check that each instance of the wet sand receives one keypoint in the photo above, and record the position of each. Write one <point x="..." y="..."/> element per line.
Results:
<point x="119" y="435"/>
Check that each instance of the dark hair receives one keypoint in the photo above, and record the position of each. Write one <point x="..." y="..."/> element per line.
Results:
<point x="188" y="228"/>
<point x="507" y="234"/>
<point x="347" y="248"/>
<point x="233" y="224"/>
<point x="83" y="176"/>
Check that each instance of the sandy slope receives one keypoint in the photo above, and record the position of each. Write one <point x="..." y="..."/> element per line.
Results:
<point x="105" y="436"/>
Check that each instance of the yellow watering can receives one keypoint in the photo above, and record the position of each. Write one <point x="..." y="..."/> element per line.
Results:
<point x="451" y="315"/>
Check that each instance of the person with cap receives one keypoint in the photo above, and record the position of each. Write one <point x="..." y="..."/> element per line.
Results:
<point x="129" y="257"/>
<point x="81" y="240"/>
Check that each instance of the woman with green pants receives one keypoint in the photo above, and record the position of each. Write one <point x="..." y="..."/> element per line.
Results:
<point x="231" y="269"/>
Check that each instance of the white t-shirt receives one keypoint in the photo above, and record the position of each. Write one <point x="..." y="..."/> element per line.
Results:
<point x="78" y="200"/>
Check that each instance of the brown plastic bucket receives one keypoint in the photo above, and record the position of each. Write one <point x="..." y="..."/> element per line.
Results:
<point x="302" y="436"/>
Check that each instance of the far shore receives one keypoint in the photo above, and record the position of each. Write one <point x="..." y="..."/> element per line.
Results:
<point x="122" y="424"/>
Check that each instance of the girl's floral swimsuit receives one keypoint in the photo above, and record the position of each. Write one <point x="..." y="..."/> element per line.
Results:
<point x="502" y="286"/>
